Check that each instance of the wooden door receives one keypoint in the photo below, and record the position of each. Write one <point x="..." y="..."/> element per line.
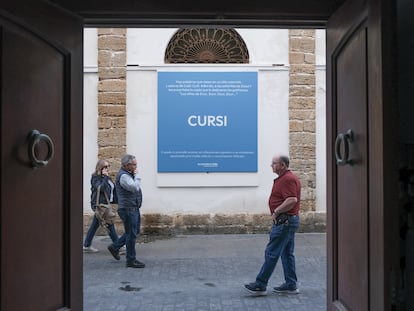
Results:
<point x="359" y="195"/>
<point x="41" y="157"/>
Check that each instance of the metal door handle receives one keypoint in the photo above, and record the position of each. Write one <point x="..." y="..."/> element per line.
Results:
<point x="343" y="139"/>
<point x="36" y="137"/>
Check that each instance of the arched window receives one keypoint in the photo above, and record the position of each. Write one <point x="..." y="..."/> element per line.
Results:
<point x="206" y="46"/>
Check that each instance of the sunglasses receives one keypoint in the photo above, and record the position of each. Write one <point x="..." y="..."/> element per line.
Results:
<point x="107" y="166"/>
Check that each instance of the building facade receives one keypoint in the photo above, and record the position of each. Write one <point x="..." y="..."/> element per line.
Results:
<point x="121" y="108"/>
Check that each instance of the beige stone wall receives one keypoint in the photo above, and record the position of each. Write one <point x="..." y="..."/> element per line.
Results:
<point x="302" y="100"/>
<point x="302" y="137"/>
<point x="112" y="95"/>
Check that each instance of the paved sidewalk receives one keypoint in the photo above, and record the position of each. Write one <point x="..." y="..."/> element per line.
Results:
<point x="202" y="272"/>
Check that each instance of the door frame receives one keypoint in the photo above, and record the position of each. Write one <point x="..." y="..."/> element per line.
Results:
<point x="382" y="143"/>
<point x="382" y="117"/>
<point x="382" y="123"/>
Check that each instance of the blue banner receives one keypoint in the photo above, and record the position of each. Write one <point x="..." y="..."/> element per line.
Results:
<point x="207" y="122"/>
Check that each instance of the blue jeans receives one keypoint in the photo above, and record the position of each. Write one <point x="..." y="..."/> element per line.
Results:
<point x="92" y="230"/>
<point x="281" y="244"/>
<point x="131" y="218"/>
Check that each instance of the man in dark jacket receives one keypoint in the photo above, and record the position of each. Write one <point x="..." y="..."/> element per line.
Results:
<point x="128" y="188"/>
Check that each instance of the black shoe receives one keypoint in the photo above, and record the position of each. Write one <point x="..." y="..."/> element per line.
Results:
<point x="286" y="289"/>
<point x="114" y="251"/>
<point x="255" y="289"/>
<point x="135" y="264"/>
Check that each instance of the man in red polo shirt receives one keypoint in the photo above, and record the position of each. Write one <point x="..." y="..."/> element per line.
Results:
<point x="284" y="204"/>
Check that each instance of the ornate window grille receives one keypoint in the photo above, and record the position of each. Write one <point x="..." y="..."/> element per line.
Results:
<point x="206" y="46"/>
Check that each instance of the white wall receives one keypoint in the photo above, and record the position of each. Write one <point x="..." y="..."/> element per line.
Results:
<point x="320" y="50"/>
<point x="90" y="112"/>
<point x="195" y="193"/>
<point x="269" y="47"/>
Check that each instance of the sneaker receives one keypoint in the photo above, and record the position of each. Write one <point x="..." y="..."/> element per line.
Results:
<point x="114" y="252"/>
<point x="122" y="250"/>
<point x="89" y="249"/>
<point x="255" y="289"/>
<point x="135" y="264"/>
<point x="285" y="289"/>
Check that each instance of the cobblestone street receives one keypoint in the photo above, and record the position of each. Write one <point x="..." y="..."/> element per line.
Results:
<point x="202" y="272"/>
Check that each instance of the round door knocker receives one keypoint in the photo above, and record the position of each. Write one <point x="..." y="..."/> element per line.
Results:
<point x="35" y="138"/>
<point x="343" y="139"/>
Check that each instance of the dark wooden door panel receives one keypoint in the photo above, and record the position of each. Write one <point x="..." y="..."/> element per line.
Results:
<point x="359" y="98"/>
<point x="348" y="222"/>
<point x="352" y="205"/>
<point x="32" y="99"/>
<point x="40" y="267"/>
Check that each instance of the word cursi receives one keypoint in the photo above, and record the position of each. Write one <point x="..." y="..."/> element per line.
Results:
<point x="207" y="120"/>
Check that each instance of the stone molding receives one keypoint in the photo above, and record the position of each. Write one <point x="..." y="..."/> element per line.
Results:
<point x="213" y="224"/>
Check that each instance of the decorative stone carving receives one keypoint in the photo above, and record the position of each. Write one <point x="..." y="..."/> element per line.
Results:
<point x="206" y="45"/>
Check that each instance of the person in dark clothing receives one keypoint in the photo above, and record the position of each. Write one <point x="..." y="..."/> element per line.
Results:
<point x="128" y="188"/>
<point x="100" y="178"/>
